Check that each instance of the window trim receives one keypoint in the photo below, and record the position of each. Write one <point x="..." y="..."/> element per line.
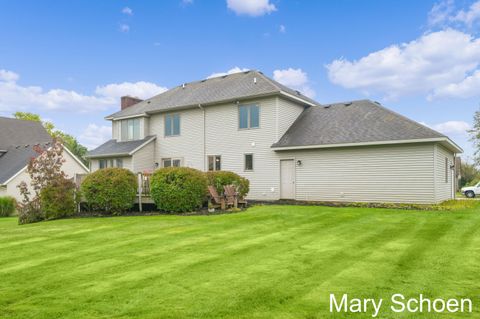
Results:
<point x="245" y="163"/>
<point x="110" y="162"/>
<point x="214" y="163"/>
<point x="171" y="161"/>
<point x="126" y="122"/>
<point x="171" y="116"/>
<point x="248" y="105"/>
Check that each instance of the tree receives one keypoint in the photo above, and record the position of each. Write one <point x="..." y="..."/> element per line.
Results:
<point x="45" y="171"/>
<point x="475" y="136"/>
<point x="470" y="174"/>
<point x="68" y="140"/>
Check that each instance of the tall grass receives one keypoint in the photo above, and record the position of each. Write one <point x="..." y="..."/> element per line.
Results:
<point x="7" y="206"/>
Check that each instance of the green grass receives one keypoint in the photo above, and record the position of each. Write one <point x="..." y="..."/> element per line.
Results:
<point x="268" y="262"/>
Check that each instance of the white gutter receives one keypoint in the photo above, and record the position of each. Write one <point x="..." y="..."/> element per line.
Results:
<point x="454" y="147"/>
<point x="291" y="96"/>
<point x="126" y="117"/>
<point x="191" y="106"/>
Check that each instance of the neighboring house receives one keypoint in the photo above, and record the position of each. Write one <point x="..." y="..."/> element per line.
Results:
<point x="17" y="138"/>
<point x="287" y="145"/>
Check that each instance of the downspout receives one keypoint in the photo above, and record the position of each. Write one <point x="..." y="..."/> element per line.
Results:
<point x="204" y="137"/>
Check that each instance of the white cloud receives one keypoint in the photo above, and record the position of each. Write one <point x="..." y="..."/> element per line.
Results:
<point x="127" y="11"/>
<point x="8" y="76"/>
<point x="95" y="135"/>
<point x="451" y="127"/>
<point x="16" y="97"/>
<point x="186" y="2"/>
<point x="295" y="79"/>
<point x="252" y="8"/>
<point x="231" y="71"/>
<point x="282" y="28"/>
<point x="139" y="89"/>
<point x="444" y="13"/>
<point x="418" y="67"/>
<point x="124" y="27"/>
<point x="467" y="88"/>
<point x="470" y="16"/>
<point x="441" y="12"/>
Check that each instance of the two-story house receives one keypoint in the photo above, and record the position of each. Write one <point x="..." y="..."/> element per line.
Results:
<point x="288" y="145"/>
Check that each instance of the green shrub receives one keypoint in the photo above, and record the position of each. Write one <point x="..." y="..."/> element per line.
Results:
<point x="178" y="189"/>
<point x="218" y="179"/>
<point x="57" y="200"/>
<point x="30" y="212"/>
<point x="7" y="206"/>
<point x="110" y="190"/>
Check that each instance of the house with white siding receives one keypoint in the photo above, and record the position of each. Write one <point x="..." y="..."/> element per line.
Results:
<point x="288" y="145"/>
<point x="17" y="140"/>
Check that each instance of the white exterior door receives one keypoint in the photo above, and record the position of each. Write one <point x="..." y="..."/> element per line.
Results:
<point x="287" y="179"/>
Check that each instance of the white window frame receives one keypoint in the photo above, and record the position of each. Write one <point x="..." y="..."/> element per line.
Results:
<point x="245" y="162"/>
<point x="214" y="163"/>
<point x="171" y="117"/>
<point x="132" y="137"/>
<point x="172" y="159"/>
<point x="249" y="126"/>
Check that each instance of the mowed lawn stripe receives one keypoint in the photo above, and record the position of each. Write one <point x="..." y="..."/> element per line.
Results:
<point x="279" y="261"/>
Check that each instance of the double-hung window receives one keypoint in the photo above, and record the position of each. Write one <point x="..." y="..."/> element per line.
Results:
<point x="248" y="116"/>
<point x="169" y="162"/>
<point x="130" y="129"/>
<point x="172" y="124"/>
<point x="214" y="162"/>
<point x="248" y="162"/>
<point x="102" y="163"/>
<point x="112" y="162"/>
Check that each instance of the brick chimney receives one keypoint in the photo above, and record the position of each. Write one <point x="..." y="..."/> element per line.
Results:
<point x="127" y="101"/>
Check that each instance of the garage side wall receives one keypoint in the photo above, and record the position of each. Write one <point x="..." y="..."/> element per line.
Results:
<point x="444" y="175"/>
<point x="395" y="173"/>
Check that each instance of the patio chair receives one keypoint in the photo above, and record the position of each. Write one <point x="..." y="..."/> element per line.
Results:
<point x="231" y="195"/>
<point x="231" y="191"/>
<point x="215" y="199"/>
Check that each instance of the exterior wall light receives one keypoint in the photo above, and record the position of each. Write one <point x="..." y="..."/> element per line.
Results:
<point x="299" y="163"/>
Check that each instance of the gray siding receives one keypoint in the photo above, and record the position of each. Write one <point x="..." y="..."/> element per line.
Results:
<point x="443" y="185"/>
<point x="143" y="160"/>
<point x="224" y="138"/>
<point x="397" y="173"/>
<point x="188" y="145"/>
<point x="116" y="130"/>
<point x="286" y="113"/>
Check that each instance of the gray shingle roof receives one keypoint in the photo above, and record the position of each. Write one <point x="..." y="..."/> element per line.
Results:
<point x="223" y="88"/>
<point x="17" y="138"/>
<point x="352" y="122"/>
<point x="15" y="159"/>
<point x="114" y="148"/>
<point x="20" y="132"/>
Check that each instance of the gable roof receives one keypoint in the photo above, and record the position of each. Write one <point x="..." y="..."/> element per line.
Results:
<point x="20" y="132"/>
<point x="17" y="138"/>
<point x="356" y="122"/>
<point x="214" y="90"/>
<point x="14" y="160"/>
<point x="114" y="148"/>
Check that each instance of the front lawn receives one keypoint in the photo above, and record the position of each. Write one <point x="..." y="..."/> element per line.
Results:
<point x="268" y="262"/>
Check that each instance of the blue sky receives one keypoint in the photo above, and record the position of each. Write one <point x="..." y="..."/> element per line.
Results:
<point x="70" y="61"/>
